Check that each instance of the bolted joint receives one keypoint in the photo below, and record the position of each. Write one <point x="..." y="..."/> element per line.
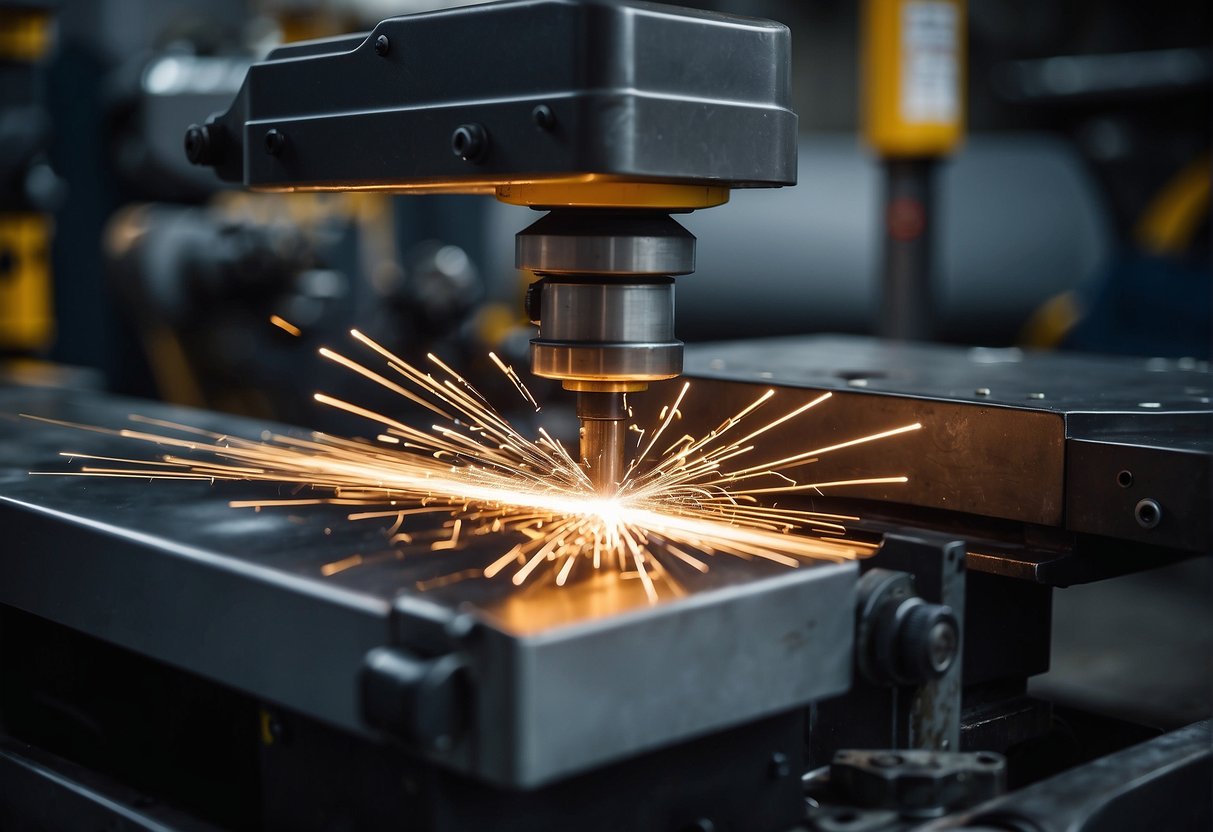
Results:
<point x="917" y="783"/>
<point x="927" y="641"/>
<point x="275" y="142"/>
<point x="470" y="142"/>
<point x="543" y="117"/>
<point x="422" y="701"/>
<point x="902" y="639"/>
<point x="200" y="145"/>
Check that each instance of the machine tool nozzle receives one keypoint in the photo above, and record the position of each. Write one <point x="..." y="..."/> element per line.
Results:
<point x="603" y="419"/>
<point x="604" y="304"/>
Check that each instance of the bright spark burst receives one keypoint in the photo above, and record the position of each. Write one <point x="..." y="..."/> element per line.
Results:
<point x="685" y="500"/>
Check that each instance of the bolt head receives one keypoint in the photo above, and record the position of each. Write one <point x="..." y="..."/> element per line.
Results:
<point x="543" y="117"/>
<point x="197" y="144"/>
<point x="382" y="45"/>
<point x="470" y="142"/>
<point x="941" y="646"/>
<point x="275" y="141"/>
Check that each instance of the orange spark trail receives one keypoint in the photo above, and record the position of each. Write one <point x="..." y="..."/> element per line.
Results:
<point x="681" y="504"/>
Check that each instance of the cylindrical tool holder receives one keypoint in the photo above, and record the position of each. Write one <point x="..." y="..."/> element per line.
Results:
<point x="592" y="331"/>
<point x="605" y="304"/>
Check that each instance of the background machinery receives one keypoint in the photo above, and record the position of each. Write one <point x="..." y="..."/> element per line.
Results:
<point x="1023" y="644"/>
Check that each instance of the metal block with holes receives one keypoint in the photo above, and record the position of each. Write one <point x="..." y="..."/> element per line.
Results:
<point x="1066" y="446"/>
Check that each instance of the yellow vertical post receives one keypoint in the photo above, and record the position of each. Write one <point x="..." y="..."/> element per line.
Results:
<point x="913" y="114"/>
<point x="913" y="76"/>
<point x="26" y="318"/>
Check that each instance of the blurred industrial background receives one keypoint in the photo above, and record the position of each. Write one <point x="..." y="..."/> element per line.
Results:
<point x="1074" y="215"/>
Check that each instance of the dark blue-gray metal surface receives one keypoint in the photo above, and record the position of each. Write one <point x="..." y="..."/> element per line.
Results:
<point x="632" y="89"/>
<point x="275" y="604"/>
<point x="1160" y="784"/>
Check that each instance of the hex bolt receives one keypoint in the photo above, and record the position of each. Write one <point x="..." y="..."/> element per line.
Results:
<point x="779" y="767"/>
<point x="382" y="45"/>
<point x="1148" y="513"/>
<point x="198" y="148"/>
<point x="543" y="117"/>
<point x="470" y="142"/>
<point x="275" y="141"/>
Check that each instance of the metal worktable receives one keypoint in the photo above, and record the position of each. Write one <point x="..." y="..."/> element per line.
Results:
<point x="254" y="601"/>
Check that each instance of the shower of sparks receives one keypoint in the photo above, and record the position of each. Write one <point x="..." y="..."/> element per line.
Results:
<point x="683" y="501"/>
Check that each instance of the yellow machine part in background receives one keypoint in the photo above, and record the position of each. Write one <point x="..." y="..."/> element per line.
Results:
<point x="26" y="35"/>
<point x="913" y="84"/>
<point x="26" y="314"/>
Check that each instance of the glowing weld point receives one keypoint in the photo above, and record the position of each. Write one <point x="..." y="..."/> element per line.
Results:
<point x="681" y="502"/>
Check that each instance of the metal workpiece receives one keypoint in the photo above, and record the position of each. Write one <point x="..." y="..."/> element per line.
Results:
<point x="516" y="685"/>
<point x="1068" y="441"/>
<point x="604" y="427"/>
<point x="510" y="94"/>
<point x="608" y="243"/>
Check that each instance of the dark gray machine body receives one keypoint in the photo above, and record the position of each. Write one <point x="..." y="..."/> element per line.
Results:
<point x="633" y="90"/>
